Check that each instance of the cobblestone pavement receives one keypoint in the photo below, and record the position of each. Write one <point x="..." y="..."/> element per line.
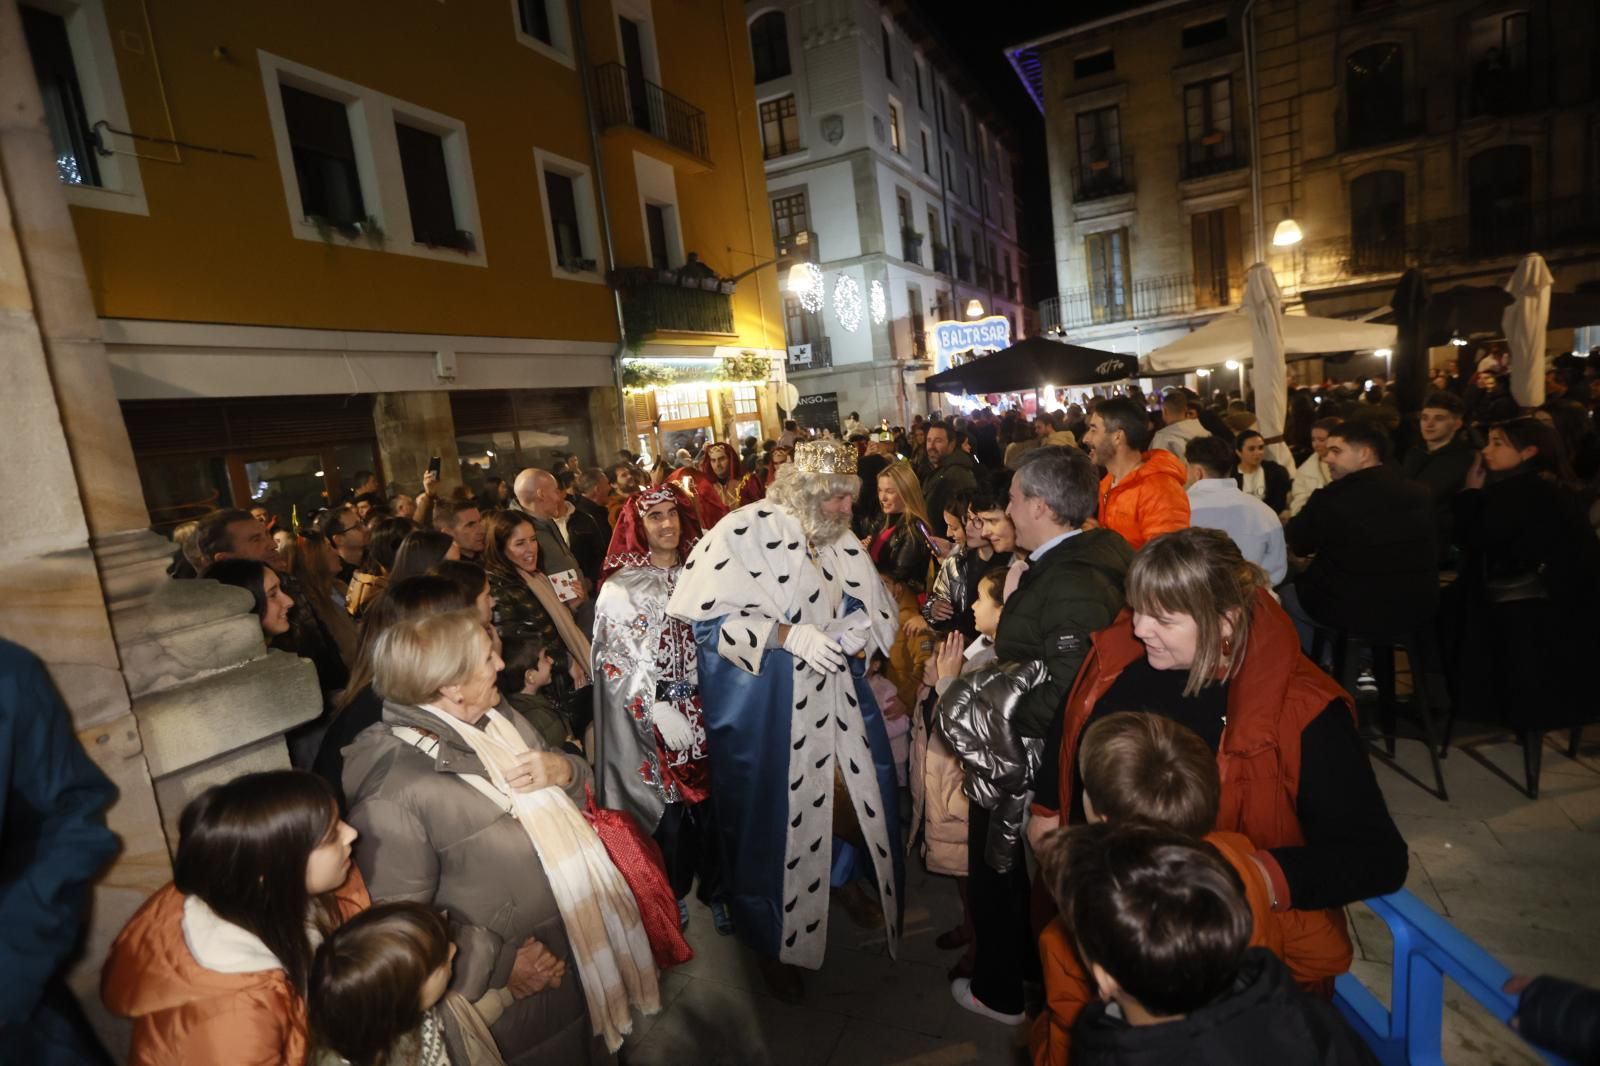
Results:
<point x="1522" y="877"/>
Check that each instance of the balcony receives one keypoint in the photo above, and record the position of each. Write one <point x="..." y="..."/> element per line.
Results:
<point x="627" y="99"/>
<point x="1104" y="302"/>
<point x="911" y="246"/>
<point x="941" y="259"/>
<point x="653" y="304"/>
<point x="1491" y="91"/>
<point x="1100" y="178"/>
<point x="1508" y="230"/>
<point x="811" y="355"/>
<point x="963" y="266"/>
<point x="1215" y="153"/>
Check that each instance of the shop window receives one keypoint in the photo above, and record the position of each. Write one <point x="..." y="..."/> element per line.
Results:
<point x="681" y="404"/>
<point x="292" y="488"/>
<point x="64" y="111"/>
<point x="486" y="455"/>
<point x="179" y="489"/>
<point x="780" y="127"/>
<point x="324" y="157"/>
<point x="427" y="179"/>
<point x="769" y="46"/>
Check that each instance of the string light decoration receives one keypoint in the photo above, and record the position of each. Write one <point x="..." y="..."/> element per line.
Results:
<point x="878" y="301"/>
<point x="847" y="302"/>
<point x="810" y="287"/>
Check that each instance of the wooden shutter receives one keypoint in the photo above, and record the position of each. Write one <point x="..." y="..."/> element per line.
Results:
<point x="1205" y="281"/>
<point x="1235" y="254"/>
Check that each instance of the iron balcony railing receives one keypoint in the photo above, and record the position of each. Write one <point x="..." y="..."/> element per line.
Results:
<point x="941" y="259"/>
<point x="1111" y="301"/>
<point x="1099" y="178"/>
<point x="963" y="266"/>
<point x="652" y="306"/>
<point x="627" y="98"/>
<point x="1216" y="153"/>
<point x="811" y="355"/>
<point x="911" y="246"/>
<point x="1502" y="228"/>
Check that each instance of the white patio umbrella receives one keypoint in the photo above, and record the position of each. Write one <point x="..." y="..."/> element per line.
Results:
<point x="1263" y="305"/>
<point x="1228" y="336"/>
<point x="1524" y="322"/>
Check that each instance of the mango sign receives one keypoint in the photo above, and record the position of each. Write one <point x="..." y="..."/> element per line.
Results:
<point x="983" y="334"/>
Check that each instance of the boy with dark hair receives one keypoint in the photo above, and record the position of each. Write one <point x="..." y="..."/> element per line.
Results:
<point x="1149" y="770"/>
<point x="1164" y="929"/>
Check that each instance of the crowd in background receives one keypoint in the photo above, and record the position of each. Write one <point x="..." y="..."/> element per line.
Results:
<point x="1111" y="667"/>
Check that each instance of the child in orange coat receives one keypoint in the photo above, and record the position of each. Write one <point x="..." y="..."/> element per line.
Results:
<point x="1151" y="769"/>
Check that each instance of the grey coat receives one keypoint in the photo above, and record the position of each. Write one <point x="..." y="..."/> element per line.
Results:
<point x="427" y="835"/>
<point x="975" y="715"/>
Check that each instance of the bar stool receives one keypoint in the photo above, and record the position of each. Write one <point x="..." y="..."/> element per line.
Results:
<point x="1422" y="654"/>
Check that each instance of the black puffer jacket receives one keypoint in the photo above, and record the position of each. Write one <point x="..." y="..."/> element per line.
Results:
<point x="976" y="716"/>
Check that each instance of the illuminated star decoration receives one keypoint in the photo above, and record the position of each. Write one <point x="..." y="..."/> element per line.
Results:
<point x="811" y="292"/>
<point x="878" y="300"/>
<point x="847" y="302"/>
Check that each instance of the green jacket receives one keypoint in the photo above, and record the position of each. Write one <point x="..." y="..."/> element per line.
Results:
<point x="1061" y="601"/>
<point x="957" y="473"/>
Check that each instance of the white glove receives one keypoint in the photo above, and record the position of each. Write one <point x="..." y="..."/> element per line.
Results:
<point x="815" y="648"/>
<point x="852" y="631"/>
<point x="676" y="732"/>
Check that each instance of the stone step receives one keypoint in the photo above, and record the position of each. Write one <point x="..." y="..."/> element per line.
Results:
<point x="210" y="716"/>
<point x="132" y="564"/>
<point x="187" y="629"/>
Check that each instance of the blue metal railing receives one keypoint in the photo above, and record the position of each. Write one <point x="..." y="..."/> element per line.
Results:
<point x="1427" y="949"/>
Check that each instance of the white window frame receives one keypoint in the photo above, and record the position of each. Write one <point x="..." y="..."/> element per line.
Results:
<point x="588" y="213"/>
<point x="658" y="186"/>
<point x="638" y="11"/>
<point x="383" y="184"/>
<point x="89" y="37"/>
<point x="560" y="49"/>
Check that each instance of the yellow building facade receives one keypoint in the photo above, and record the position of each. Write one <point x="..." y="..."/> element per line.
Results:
<point x="325" y="239"/>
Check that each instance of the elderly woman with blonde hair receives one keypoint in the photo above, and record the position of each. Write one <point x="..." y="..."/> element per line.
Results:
<point x="460" y="806"/>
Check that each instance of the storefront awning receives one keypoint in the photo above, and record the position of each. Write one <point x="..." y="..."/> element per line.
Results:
<point x="1031" y="364"/>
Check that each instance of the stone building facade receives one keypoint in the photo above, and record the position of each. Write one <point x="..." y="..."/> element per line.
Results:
<point x="887" y="169"/>
<point x="1442" y="134"/>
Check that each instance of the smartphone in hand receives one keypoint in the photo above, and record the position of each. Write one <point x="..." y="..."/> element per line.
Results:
<point x="433" y="466"/>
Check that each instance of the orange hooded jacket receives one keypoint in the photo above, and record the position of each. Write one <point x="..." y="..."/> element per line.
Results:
<point x="1148" y="502"/>
<point x="183" y="1012"/>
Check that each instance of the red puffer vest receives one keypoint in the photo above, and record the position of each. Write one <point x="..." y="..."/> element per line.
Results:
<point x="1274" y="696"/>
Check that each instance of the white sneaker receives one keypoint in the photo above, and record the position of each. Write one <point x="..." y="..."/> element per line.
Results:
<point x="961" y="990"/>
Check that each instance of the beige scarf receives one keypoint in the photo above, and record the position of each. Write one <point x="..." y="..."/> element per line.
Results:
<point x="601" y="917"/>
<point x="577" y="644"/>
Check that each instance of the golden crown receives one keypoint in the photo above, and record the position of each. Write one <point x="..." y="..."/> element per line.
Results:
<point x="825" y="457"/>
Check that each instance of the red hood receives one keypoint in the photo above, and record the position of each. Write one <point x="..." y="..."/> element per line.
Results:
<point x="735" y="471"/>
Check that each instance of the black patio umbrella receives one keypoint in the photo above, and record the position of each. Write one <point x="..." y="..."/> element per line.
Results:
<point x="1410" y="302"/>
<point x="1032" y="364"/>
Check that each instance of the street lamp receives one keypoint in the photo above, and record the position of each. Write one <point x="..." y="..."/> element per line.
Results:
<point x="974" y="308"/>
<point x="1232" y="364"/>
<point x="1287" y="235"/>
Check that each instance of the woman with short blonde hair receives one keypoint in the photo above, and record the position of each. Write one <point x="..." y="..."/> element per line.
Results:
<point x="533" y="895"/>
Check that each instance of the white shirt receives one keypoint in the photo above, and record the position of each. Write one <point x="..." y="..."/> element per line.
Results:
<point x="1217" y="503"/>
<point x="1312" y="475"/>
<point x="1175" y="436"/>
<point x="1255" y="482"/>
<point x="1038" y="553"/>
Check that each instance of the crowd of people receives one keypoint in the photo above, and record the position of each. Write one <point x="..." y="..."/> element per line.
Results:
<point x="1073" y="663"/>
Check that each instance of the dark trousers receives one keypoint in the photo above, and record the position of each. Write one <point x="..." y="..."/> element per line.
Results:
<point x="1004" y="951"/>
<point x="689" y="845"/>
<point x="56" y="1034"/>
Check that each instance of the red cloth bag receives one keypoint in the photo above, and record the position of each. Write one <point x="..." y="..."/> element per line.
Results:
<point x="638" y="858"/>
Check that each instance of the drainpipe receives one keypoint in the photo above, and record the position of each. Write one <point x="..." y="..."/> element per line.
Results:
<point x="1247" y="18"/>
<point x="580" y="50"/>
